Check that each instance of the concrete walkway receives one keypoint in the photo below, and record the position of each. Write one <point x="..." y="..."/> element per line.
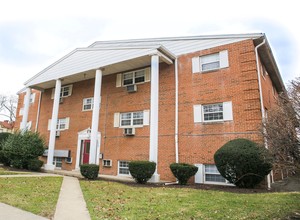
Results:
<point x="71" y="204"/>
<point x="8" y="212"/>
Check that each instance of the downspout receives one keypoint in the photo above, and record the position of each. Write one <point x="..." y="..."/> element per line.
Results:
<point x="38" y="113"/>
<point x="261" y="101"/>
<point x="176" y="119"/>
<point x="176" y="111"/>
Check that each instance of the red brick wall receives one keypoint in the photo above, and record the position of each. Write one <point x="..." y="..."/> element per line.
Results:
<point x="197" y="141"/>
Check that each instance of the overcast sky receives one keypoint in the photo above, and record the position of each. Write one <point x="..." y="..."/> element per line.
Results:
<point x="35" y="33"/>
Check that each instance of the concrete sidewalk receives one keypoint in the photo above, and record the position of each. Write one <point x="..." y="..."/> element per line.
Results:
<point x="8" y="212"/>
<point x="71" y="204"/>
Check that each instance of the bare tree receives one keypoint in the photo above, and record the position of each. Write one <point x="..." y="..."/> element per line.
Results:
<point x="281" y="128"/>
<point x="8" y="106"/>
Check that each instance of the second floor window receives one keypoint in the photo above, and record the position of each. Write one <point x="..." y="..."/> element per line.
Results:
<point x="134" y="77"/>
<point x="131" y="119"/>
<point x="88" y="104"/>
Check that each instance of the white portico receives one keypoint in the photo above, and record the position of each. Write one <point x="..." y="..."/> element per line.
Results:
<point x="88" y="63"/>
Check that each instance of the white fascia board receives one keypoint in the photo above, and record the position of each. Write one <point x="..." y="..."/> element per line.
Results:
<point x="200" y="37"/>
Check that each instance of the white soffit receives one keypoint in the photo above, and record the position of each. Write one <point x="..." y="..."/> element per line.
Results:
<point x="85" y="59"/>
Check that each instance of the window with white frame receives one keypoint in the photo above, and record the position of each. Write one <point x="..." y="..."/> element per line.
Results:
<point x="57" y="162"/>
<point x="210" y="62"/>
<point x="131" y="119"/>
<point x="61" y="124"/>
<point x="65" y="91"/>
<point x="211" y="174"/>
<point x="213" y="112"/>
<point x="123" y="168"/>
<point x="32" y="98"/>
<point x="88" y="104"/>
<point x="21" y="111"/>
<point x="134" y="77"/>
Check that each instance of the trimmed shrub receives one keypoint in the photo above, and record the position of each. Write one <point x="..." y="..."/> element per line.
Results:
<point x="183" y="171"/>
<point x="89" y="171"/>
<point x="20" y="148"/>
<point x="3" y="137"/>
<point x="142" y="171"/>
<point x="35" y="165"/>
<point x="243" y="163"/>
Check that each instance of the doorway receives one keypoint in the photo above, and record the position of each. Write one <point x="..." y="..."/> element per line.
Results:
<point x="86" y="151"/>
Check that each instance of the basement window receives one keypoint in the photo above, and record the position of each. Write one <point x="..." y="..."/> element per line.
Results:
<point x="123" y="168"/>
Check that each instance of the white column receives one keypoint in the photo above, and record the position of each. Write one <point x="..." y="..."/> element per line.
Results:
<point x="49" y="165"/>
<point x="153" y="152"/>
<point x="26" y="109"/>
<point x="95" y="118"/>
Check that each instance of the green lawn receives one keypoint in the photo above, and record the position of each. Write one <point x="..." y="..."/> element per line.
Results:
<point x="9" y="172"/>
<point x="110" y="200"/>
<point x="35" y="194"/>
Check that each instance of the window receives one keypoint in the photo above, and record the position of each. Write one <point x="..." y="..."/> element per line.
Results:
<point x="107" y="163"/>
<point x="65" y="91"/>
<point x="212" y="174"/>
<point x="62" y="124"/>
<point x="131" y="119"/>
<point x="213" y="112"/>
<point x="210" y="62"/>
<point x="134" y="77"/>
<point x="32" y="98"/>
<point x="28" y="126"/>
<point x="123" y="168"/>
<point x="88" y="104"/>
<point x="21" y="111"/>
<point x="57" y="161"/>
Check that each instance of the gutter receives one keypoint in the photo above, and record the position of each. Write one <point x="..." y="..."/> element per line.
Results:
<point x="261" y="101"/>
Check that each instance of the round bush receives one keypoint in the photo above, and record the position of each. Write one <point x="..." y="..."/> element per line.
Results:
<point x="142" y="171"/>
<point x="89" y="171"/>
<point x="183" y="172"/>
<point x="35" y="164"/>
<point x="243" y="163"/>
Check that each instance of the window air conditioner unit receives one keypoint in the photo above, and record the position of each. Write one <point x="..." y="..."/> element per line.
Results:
<point x="129" y="131"/>
<point x="131" y="88"/>
<point x="68" y="159"/>
<point x="61" y="100"/>
<point x="57" y="133"/>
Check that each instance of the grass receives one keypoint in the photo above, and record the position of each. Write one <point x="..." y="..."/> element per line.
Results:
<point x="38" y="195"/>
<point x="9" y="172"/>
<point x="110" y="200"/>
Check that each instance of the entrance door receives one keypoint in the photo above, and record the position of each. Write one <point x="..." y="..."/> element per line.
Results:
<point x="86" y="151"/>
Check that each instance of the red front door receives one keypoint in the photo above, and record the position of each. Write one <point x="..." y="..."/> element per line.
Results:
<point x="86" y="151"/>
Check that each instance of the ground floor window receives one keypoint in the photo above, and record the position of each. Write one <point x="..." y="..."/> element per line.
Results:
<point x="123" y="168"/>
<point x="212" y="174"/>
<point x="57" y="161"/>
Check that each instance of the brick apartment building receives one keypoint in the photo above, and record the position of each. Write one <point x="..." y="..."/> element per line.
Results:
<point x="164" y="100"/>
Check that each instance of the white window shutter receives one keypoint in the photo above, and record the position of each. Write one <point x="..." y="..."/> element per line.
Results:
<point x="117" y="120"/>
<point x="199" y="176"/>
<point x="196" y="64"/>
<point x="147" y="74"/>
<point x="119" y="80"/>
<point x="67" y="123"/>
<point x="224" y="59"/>
<point x="49" y="124"/>
<point x="70" y="90"/>
<point x="227" y="111"/>
<point x="197" y="113"/>
<point x="52" y="93"/>
<point x="21" y="111"/>
<point x="146" y="117"/>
